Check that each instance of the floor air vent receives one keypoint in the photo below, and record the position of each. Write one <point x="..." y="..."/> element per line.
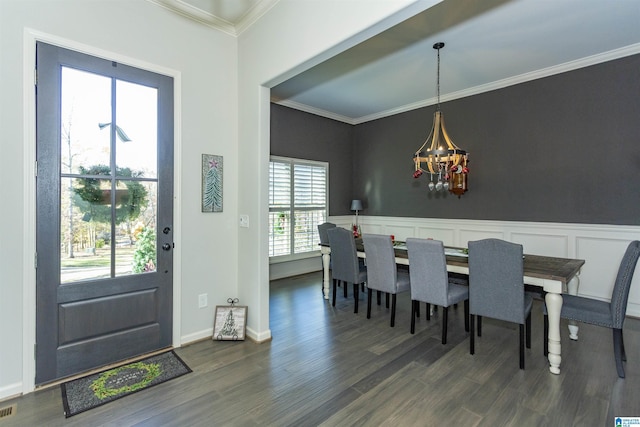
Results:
<point x="8" y="411"/>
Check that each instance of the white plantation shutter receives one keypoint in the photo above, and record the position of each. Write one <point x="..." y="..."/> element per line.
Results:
<point x="279" y="185"/>
<point x="297" y="204"/>
<point x="279" y="208"/>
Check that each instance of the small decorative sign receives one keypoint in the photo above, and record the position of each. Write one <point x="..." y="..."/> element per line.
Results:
<point x="211" y="183"/>
<point x="230" y="321"/>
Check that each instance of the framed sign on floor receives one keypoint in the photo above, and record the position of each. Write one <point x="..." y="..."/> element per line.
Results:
<point x="230" y="322"/>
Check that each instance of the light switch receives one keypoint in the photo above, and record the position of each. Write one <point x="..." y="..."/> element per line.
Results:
<point x="244" y="221"/>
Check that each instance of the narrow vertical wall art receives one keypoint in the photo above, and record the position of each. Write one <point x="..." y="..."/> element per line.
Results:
<point x="211" y="183"/>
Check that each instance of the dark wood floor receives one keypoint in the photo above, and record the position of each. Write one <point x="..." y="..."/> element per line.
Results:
<point x="329" y="366"/>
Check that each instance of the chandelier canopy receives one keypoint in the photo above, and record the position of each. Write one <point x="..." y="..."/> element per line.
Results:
<point x="442" y="160"/>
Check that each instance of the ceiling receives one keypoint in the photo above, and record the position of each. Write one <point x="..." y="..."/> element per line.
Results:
<point x="488" y="45"/>
<point x="230" y="16"/>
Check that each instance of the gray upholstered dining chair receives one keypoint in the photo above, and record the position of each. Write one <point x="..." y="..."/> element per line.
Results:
<point x="382" y="272"/>
<point x="322" y="232"/>
<point x="345" y="265"/>
<point x="430" y="282"/>
<point x="602" y="313"/>
<point x="496" y="288"/>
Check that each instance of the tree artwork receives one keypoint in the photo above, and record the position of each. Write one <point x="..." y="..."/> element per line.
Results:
<point x="211" y="183"/>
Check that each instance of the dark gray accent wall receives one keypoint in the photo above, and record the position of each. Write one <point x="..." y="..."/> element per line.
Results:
<point x="306" y="136"/>
<point x="559" y="149"/>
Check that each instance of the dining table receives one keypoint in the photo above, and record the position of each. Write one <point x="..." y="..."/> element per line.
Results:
<point x="553" y="275"/>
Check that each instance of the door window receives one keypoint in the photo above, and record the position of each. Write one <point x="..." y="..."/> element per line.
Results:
<point x="108" y="177"/>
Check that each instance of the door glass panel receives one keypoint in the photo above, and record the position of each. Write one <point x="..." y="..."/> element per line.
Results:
<point x="136" y="236"/>
<point x="86" y="107"/>
<point x="85" y="218"/>
<point x="137" y="130"/>
<point x="108" y="223"/>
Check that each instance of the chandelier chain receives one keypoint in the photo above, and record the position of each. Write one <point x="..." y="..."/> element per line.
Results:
<point x="438" y="82"/>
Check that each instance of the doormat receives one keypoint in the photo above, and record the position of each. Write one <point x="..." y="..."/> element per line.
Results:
<point x="97" y="389"/>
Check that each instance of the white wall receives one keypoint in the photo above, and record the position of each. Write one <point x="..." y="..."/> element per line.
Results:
<point x="292" y="36"/>
<point x="205" y="61"/>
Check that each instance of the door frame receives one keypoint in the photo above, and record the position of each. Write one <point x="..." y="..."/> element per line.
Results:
<point x="31" y="37"/>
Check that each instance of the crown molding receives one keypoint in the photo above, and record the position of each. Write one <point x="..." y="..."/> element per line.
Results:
<point x="313" y="110"/>
<point x="188" y="11"/>
<point x="195" y="14"/>
<point x="252" y="15"/>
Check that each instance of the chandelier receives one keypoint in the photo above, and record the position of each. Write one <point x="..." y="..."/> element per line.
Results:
<point x="443" y="160"/>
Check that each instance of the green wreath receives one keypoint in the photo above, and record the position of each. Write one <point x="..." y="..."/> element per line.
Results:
<point x="89" y="191"/>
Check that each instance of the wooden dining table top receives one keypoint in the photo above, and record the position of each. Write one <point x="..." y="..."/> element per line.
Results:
<point x="538" y="266"/>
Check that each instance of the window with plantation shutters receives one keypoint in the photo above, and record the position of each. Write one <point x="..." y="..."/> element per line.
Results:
<point x="297" y="205"/>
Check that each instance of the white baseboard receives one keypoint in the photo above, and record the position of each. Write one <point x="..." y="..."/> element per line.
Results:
<point x="196" y="336"/>
<point x="259" y="337"/>
<point x="10" y="391"/>
<point x="208" y="334"/>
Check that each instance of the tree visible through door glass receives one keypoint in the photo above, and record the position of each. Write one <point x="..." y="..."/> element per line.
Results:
<point x="109" y="177"/>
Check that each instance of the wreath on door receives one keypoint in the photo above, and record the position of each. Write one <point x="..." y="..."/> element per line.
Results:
<point x="130" y="198"/>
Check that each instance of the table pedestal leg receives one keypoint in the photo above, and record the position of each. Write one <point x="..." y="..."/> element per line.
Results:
<point x="326" y="258"/>
<point x="554" y="306"/>
<point x="572" y="287"/>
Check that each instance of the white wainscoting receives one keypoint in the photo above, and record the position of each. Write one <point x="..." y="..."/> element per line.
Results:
<point x="601" y="246"/>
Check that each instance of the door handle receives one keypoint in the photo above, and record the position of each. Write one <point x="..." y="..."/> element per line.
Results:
<point x="166" y="247"/>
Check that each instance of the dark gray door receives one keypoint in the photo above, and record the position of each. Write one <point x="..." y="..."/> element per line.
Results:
<point x="104" y="233"/>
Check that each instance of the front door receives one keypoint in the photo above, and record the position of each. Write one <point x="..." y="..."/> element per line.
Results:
<point x="104" y="208"/>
